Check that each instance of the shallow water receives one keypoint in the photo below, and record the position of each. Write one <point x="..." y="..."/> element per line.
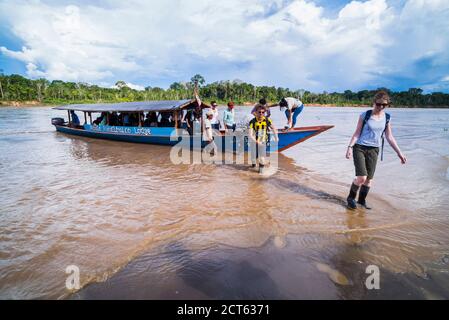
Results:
<point x="103" y="205"/>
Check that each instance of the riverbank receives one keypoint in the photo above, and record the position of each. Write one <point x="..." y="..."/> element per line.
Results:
<point x="31" y="103"/>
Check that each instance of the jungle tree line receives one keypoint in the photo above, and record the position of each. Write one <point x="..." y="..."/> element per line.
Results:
<point x="18" y="88"/>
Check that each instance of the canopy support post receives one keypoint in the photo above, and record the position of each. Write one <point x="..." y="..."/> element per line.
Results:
<point x="85" y="118"/>
<point x="70" y="121"/>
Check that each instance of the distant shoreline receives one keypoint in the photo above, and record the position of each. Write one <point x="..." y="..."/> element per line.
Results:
<point x="35" y="103"/>
<point x="32" y="103"/>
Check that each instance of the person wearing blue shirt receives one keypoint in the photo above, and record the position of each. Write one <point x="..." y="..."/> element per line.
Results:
<point x="229" y="117"/>
<point x="75" y="119"/>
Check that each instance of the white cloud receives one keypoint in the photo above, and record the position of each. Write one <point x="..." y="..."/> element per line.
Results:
<point x="296" y="45"/>
<point x="132" y="86"/>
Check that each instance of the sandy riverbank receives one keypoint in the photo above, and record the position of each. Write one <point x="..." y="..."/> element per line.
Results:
<point x="32" y="103"/>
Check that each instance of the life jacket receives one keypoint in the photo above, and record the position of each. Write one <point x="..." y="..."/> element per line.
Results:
<point x="387" y="121"/>
<point x="261" y="128"/>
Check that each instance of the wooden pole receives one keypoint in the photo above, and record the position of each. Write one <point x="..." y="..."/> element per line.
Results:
<point x="85" y="118"/>
<point x="90" y="117"/>
<point x="68" y="114"/>
<point x="140" y="119"/>
<point x="176" y="119"/>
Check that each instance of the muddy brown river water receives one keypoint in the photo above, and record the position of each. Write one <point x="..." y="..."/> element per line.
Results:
<point x="138" y="226"/>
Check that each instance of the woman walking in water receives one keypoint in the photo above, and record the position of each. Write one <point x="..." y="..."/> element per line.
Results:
<point x="364" y="147"/>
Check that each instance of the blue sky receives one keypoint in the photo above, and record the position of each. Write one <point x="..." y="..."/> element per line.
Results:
<point x="318" y="45"/>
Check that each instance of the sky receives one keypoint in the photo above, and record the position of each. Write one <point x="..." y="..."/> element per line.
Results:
<point x="317" y="45"/>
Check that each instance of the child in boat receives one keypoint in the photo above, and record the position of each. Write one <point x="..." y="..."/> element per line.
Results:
<point x="364" y="147"/>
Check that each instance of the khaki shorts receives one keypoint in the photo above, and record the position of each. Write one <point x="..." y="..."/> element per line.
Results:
<point x="365" y="160"/>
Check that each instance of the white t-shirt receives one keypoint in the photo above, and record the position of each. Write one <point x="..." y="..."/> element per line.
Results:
<point x="293" y="103"/>
<point x="207" y="133"/>
<point x="214" y="119"/>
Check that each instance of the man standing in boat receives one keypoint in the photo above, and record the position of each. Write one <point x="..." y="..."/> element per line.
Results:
<point x="259" y="128"/>
<point x="364" y="148"/>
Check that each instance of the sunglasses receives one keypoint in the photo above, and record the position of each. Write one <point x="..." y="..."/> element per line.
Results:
<point x="261" y="112"/>
<point x="383" y="105"/>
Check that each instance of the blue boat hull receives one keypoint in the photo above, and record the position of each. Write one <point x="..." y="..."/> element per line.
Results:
<point x="166" y="136"/>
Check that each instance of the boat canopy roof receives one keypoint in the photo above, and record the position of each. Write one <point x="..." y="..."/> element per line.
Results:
<point x="139" y="106"/>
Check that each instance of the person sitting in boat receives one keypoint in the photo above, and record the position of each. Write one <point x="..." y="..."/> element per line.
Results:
<point x="146" y="122"/>
<point x="193" y="116"/>
<point x="214" y="121"/>
<point x="151" y="120"/>
<point x="229" y="117"/>
<point x="75" y="119"/>
<point x="98" y="120"/>
<point x="259" y="128"/>
<point x="125" y="119"/>
<point x="133" y="120"/>
<point x="166" y="119"/>
<point x="113" y="119"/>
<point x="294" y="108"/>
<point x="262" y="102"/>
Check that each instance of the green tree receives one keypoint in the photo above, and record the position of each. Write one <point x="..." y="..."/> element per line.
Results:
<point x="199" y="79"/>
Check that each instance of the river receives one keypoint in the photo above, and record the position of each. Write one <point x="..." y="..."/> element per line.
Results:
<point x="138" y="226"/>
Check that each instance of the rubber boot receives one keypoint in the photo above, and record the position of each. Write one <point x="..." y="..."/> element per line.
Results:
<point x="362" y="197"/>
<point x="352" y="195"/>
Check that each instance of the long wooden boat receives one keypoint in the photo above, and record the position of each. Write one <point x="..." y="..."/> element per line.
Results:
<point x="160" y="135"/>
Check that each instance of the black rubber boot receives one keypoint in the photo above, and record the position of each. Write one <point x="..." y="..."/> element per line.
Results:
<point x="352" y="195"/>
<point x="362" y="197"/>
